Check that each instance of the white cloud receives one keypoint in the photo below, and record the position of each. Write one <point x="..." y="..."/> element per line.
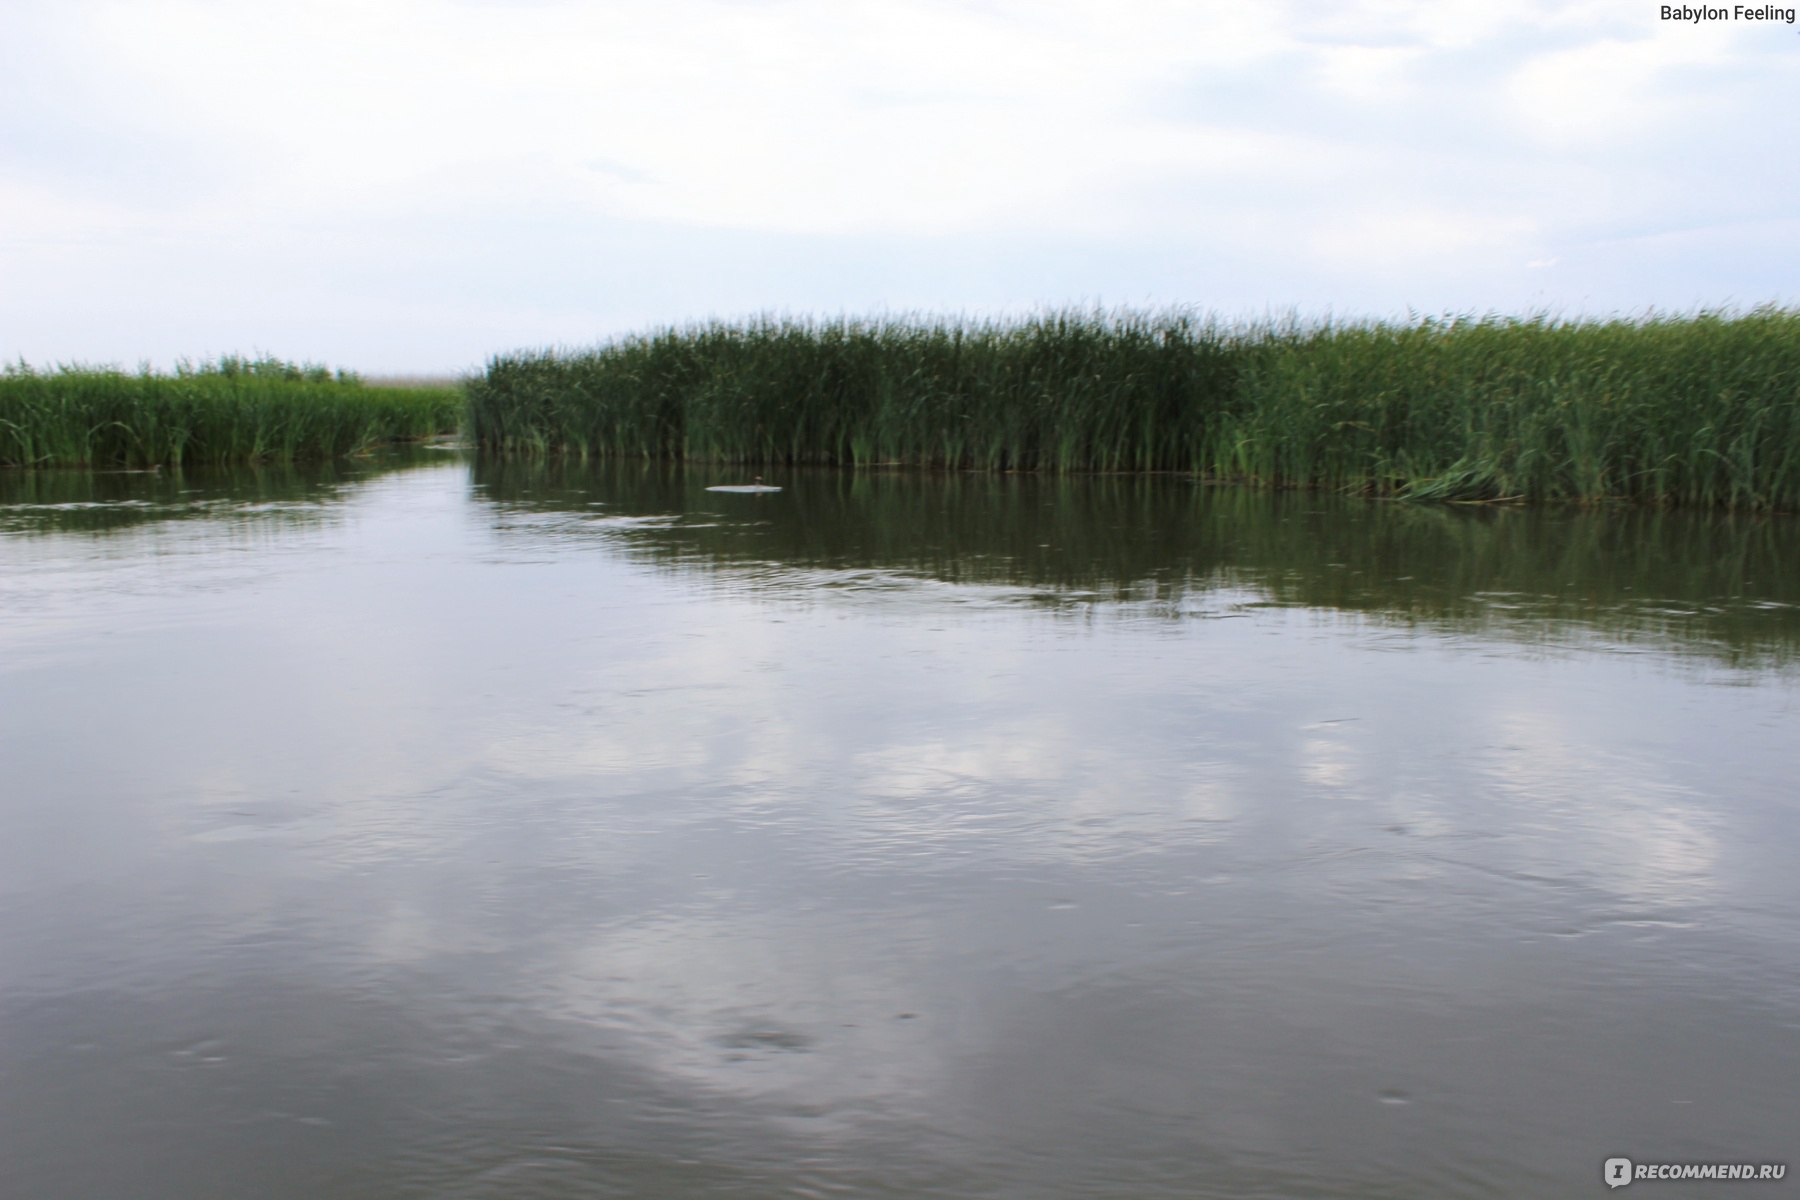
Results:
<point x="1418" y="235"/>
<point x="1369" y="73"/>
<point x="794" y="117"/>
<point x="564" y="169"/>
<point x="1617" y="87"/>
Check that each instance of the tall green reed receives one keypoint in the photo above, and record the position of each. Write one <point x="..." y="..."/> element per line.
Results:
<point x="1698" y="410"/>
<point x="1075" y="391"/>
<point x="1701" y="409"/>
<point x="231" y="411"/>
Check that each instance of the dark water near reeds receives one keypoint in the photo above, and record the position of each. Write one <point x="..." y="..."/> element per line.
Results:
<point x="459" y="830"/>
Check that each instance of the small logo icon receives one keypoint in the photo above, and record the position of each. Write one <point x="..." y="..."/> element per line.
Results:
<point x="1617" y="1172"/>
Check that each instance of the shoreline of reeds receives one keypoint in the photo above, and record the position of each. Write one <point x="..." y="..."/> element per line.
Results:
<point x="231" y="411"/>
<point x="1695" y="410"/>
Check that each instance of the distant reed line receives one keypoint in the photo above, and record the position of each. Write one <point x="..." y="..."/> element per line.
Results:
<point x="234" y="410"/>
<point x="1695" y="410"/>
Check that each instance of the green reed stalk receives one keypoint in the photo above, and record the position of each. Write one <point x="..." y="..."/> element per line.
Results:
<point x="1701" y="410"/>
<point x="229" y="412"/>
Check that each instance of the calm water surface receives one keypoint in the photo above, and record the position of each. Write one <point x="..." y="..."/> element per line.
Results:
<point x="442" y="829"/>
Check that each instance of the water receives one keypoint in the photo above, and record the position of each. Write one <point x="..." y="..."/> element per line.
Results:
<point x="457" y="830"/>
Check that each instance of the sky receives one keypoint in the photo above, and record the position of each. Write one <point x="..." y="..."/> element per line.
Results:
<point x="412" y="186"/>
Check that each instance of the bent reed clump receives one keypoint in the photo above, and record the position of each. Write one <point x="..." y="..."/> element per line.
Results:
<point x="1696" y="410"/>
<point x="234" y="410"/>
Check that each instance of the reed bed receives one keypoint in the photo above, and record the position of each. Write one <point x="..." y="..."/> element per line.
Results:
<point x="1069" y="392"/>
<point x="1701" y="409"/>
<point x="233" y="410"/>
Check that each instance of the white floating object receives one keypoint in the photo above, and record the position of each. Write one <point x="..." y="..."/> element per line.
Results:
<point x="755" y="489"/>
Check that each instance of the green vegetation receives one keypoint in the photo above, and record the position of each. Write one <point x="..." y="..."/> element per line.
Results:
<point x="235" y="410"/>
<point x="1699" y="410"/>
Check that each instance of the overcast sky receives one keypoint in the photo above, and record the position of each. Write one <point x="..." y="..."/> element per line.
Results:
<point x="413" y="185"/>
